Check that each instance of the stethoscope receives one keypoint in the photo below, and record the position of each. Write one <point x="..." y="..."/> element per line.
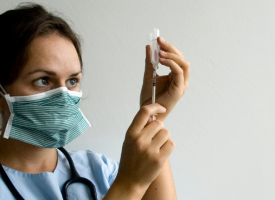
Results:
<point x="75" y="179"/>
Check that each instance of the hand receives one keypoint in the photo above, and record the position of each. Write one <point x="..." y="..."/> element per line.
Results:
<point x="169" y="88"/>
<point x="145" y="151"/>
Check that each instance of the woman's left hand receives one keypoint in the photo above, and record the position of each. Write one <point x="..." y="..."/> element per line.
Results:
<point x="169" y="88"/>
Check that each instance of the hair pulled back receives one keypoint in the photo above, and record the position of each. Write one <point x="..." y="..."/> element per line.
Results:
<point x="18" y="29"/>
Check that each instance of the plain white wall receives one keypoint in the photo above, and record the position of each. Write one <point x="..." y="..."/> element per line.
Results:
<point x="224" y="126"/>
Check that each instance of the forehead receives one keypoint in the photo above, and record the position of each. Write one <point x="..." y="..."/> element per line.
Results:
<point x="52" y="52"/>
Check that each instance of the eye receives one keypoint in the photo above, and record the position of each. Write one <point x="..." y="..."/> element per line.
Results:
<point x="72" y="82"/>
<point x="41" y="82"/>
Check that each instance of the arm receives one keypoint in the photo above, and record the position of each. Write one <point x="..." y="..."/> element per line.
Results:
<point x="163" y="187"/>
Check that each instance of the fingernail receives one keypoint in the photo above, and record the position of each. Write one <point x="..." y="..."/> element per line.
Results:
<point x="161" y="39"/>
<point x="163" y="52"/>
<point x="149" y="120"/>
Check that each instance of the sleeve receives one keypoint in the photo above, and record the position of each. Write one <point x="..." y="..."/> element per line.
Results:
<point x="108" y="166"/>
<point x="111" y="169"/>
<point x="113" y="173"/>
<point x="98" y="168"/>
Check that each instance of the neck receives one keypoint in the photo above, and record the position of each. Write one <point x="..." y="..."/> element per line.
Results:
<point x="25" y="157"/>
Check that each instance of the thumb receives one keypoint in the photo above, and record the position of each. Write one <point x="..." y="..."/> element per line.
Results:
<point x="148" y="73"/>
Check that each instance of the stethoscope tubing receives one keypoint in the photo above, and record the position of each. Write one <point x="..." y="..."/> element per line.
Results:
<point x="9" y="184"/>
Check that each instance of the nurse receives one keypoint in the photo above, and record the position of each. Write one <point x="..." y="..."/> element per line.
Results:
<point x="40" y="71"/>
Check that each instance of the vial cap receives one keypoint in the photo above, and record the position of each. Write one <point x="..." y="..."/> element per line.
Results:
<point x="155" y="34"/>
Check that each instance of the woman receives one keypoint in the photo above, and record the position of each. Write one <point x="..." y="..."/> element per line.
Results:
<point x="41" y="67"/>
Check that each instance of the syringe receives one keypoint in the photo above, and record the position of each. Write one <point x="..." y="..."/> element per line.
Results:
<point x="154" y="46"/>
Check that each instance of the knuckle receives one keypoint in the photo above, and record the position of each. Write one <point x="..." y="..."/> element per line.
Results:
<point x="158" y="104"/>
<point x="171" y="144"/>
<point x="171" y="56"/>
<point x="145" y="110"/>
<point x="171" y="61"/>
<point x="159" y="123"/>
<point x="180" y="72"/>
<point x="166" y="133"/>
<point x="139" y="144"/>
<point x="157" y="161"/>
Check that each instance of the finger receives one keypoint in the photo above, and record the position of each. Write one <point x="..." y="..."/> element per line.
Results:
<point x="142" y="116"/>
<point x="178" y="77"/>
<point x="160" y="138"/>
<point x="167" y="46"/>
<point x="148" y="72"/>
<point x="181" y="54"/>
<point x="184" y="64"/>
<point x="152" y="129"/>
<point x="167" y="148"/>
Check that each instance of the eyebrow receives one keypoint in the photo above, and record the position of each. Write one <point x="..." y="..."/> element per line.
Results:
<point x="51" y="72"/>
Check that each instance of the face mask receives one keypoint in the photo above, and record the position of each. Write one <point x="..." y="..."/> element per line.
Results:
<point x="50" y="119"/>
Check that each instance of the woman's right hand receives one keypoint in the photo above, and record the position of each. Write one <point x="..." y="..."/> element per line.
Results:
<point x="145" y="151"/>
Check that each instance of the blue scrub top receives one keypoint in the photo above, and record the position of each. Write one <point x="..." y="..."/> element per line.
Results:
<point x="97" y="168"/>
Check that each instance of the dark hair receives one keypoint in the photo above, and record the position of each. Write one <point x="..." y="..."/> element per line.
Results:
<point x="18" y="29"/>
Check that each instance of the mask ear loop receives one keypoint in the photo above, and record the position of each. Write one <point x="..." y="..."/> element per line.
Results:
<point x="3" y="94"/>
<point x="1" y="112"/>
<point x="8" y="126"/>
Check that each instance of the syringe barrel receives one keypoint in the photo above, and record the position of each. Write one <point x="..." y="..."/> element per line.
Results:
<point x="154" y="78"/>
